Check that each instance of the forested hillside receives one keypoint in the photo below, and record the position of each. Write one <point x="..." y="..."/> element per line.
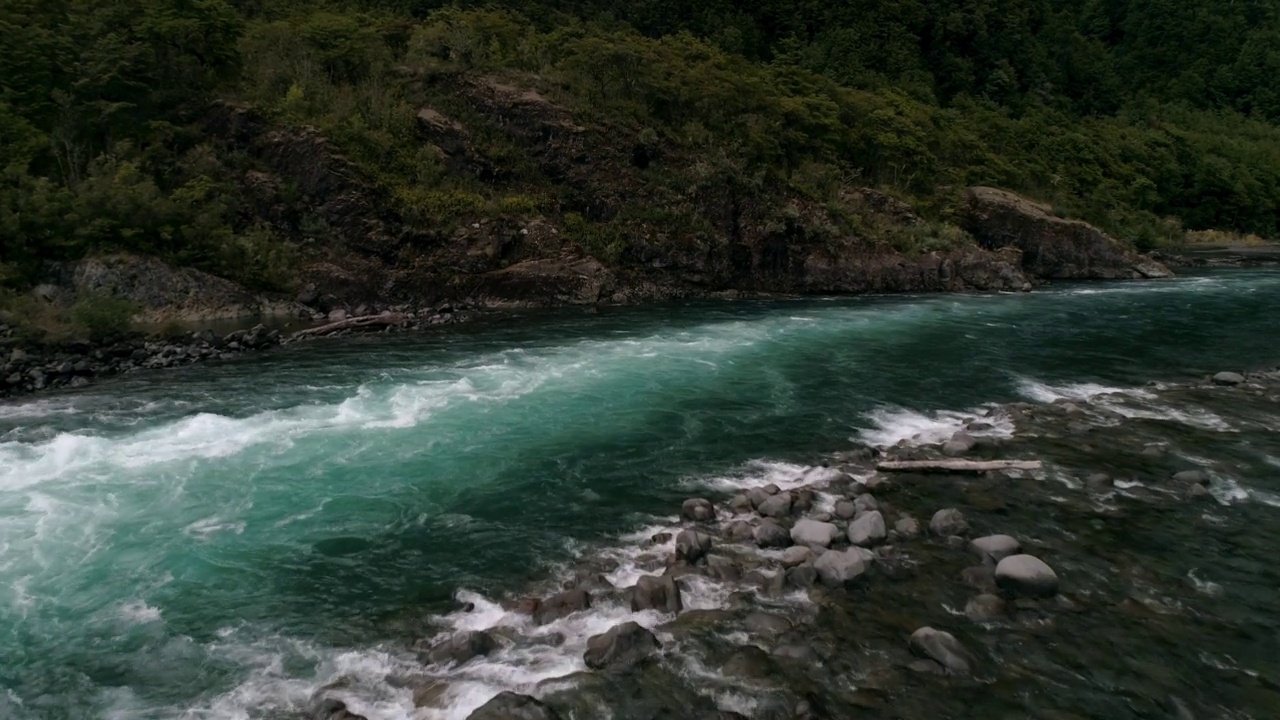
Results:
<point x="1147" y="117"/>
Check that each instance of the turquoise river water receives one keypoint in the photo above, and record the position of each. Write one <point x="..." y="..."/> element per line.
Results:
<point x="217" y="542"/>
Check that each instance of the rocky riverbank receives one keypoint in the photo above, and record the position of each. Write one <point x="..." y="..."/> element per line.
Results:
<point x="845" y="589"/>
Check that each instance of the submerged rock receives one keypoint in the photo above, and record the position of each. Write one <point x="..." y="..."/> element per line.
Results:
<point x="513" y="706"/>
<point x="748" y="662"/>
<point x="763" y="623"/>
<point x="943" y="648"/>
<point x="1026" y="575"/>
<point x="698" y="510"/>
<point x="984" y="607"/>
<point x="1192" y="477"/>
<point x="723" y="568"/>
<point x="561" y="605"/>
<point x="802" y="576"/>
<point x="621" y="647"/>
<point x="949" y="521"/>
<point x="654" y="592"/>
<point x="796" y="555"/>
<point x="907" y="526"/>
<point x="959" y="444"/>
<point x="462" y="647"/>
<point x="1228" y="378"/>
<point x="994" y="548"/>
<point x="739" y="530"/>
<point x="813" y="532"/>
<point x="334" y="709"/>
<point x="868" y="529"/>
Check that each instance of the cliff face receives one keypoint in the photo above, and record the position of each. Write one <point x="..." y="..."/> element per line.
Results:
<point x="1051" y="247"/>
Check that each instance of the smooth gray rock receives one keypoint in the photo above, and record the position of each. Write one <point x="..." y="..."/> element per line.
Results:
<point x="868" y="529"/>
<point x="562" y="604"/>
<point x="812" y="532"/>
<point x="959" y="444"/>
<point x="757" y="496"/>
<point x="837" y="569"/>
<point x="513" y="706"/>
<point x="984" y="607"/>
<point x="866" y="502"/>
<point x="739" y="530"/>
<point x="943" y="648"/>
<point x="740" y="503"/>
<point x="621" y="647"/>
<point x="692" y="546"/>
<point x="845" y="509"/>
<point x="994" y="548"/>
<point x="462" y="647"/>
<point x="654" y="592"/>
<point x="770" y="534"/>
<point x="333" y="709"/>
<point x="796" y="555"/>
<point x="802" y="576"/>
<point x="698" y="510"/>
<point x="948" y="521"/>
<point x="907" y="526"/>
<point x="1026" y="575"/>
<point x="723" y="568"/>
<point x="1228" y="378"/>
<point x="776" y="506"/>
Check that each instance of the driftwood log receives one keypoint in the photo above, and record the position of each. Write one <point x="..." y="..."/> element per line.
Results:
<point x="956" y="466"/>
<point x="355" y="323"/>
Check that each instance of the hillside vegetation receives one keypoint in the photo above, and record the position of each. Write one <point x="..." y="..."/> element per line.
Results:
<point x="645" y="127"/>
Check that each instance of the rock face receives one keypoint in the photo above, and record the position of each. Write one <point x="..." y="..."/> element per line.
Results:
<point x="622" y="647"/>
<point x="837" y="569"/>
<point x="949" y="521"/>
<point x="943" y="648"/>
<point x="1026" y="575"/>
<point x="659" y="593"/>
<point x="868" y="529"/>
<point x="513" y="706"/>
<point x="814" y="533"/>
<point x="994" y="548"/>
<point x="1051" y="246"/>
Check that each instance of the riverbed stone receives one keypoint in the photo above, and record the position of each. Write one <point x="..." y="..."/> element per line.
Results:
<point x="1228" y="378"/>
<point x="462" y="647"/>
<point x="868" y="529"/>
<point x="655" y="592"/>
<point x="796" y="555"/>
<point x="776" y="506"/>
<point x="621" y="647"/>
<point x="698" y="510"/>
<point x="763" y="623"/>
<point x="948" y="521"/>
<point x="802" y="576"/>
<point x="994" y="548"/>
<point x="812" y="532"/>
<point x="1192" y="477"/>
<point x="334" y="709"/>
<point x="845" y="509"/>
<point x="770" y="534"/>
<point x="771" y="489"/>
<point x="984" y="607"/>
<point x="692" y="546"/>
<point x="866" y="502"/>
<point x="723" y="568"/>
<point x="749" y="662"/>
<point x="959" y="444"/>
<point x="740" y="503"/>
<point x="1026" y="575"/>
<point x="837" y="569"/>
<point x="562" y="604"/>
<point x="980" y="577"/>
<point x="907" y="526"/>
<point x="513" y="706"/>
<point x="942" y="647"/>
<point x="739" y="531"/>
<point x="1100" y="483"/>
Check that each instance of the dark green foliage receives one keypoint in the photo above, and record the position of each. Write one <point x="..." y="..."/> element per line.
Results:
<point x="1145" y="117"/>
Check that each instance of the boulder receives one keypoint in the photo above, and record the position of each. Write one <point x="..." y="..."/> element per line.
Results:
<point x="948" y="521"/>
<point x="462" y="647"/>
<point x="1051" y="247"/>
<point x="698" y="510"/>
<point x="802" y="576"/>
<point x="1192" y="477"/>
<point x="959" y="444"/>
<point x="739" y="530"/>
<point x="653" y="592"/>
<point x="802" y="500"/>
<point x="814" y="533"/>
<point x="692" y="546"/>
<point x="513" y="706"/>
<point x="1026" y="575"/>
<point x="776" y="506"/>
<point x="1228" y="378"/>
<point x="866" y="502"/>
<point x="845" y="509"/>
<point x="984" y="607"/>
<point x="561" y="605"/>
<point x="620" y="648"/>
<point x="740" y="504"/>
<point x="994" y="548"/>
<point x="907" y="526"/>
<point x="723" y="568"/>
<point x="770" y="534"/>
<point x="943" y="648"/>
<point x="837" y="569"/>
<point x="796" y="555"/>
<point x="749" y="662"/>
<point x="868" y="529"/>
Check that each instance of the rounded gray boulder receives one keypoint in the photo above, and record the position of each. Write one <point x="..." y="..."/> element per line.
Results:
<point x="837" y="569"/>
<point x="868" y="529"/>
<point x="994" y="548"/>
<point x="698" y="510"/>
<point x="1026" y="575"/>
<point x="812" y="532"/>
<point x="943" y="648"/>
<point x="947" y="522"/>
<point x="621" y="647"/>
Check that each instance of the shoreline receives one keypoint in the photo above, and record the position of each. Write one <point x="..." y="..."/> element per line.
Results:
<point x="748" y="590"/>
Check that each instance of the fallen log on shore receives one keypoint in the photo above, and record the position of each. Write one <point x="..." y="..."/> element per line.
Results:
<point x="355" y="323"/>
<point x="956" y="466"/>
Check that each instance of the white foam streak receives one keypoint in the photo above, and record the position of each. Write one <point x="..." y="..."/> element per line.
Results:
<point x="900" y="425"/>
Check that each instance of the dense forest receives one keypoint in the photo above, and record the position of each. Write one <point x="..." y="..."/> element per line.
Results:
<point x="1148" y="117"/>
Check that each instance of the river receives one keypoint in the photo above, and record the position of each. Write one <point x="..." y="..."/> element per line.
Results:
<point x="220" y="541"/>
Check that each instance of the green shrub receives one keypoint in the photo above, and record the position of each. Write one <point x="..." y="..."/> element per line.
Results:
<point x="104" y="317"/>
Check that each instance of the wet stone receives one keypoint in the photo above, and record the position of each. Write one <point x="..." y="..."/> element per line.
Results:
<point x="907" y="527"/>
<point x="1228" y="378"/>
<point x="868" y="529"/>
<point x="698" y="510"/>
<point x="980" y="577"/>
<point x="1026" y="575"/>
<point x="513" y="706"/>
<point x="845" y="509"/>
<point x="837" y="569"/>
<point x="942" y="647"/>
<point x="984" y="608"/>
<point x="739" y="531"/>
<point x="948" y="521"/>
<point x="692" y="546"/>
<point x="656" y="593"/>
<point x="770" y="534"/>
<point x="796" y="555"/>
<point x="1192" y="477"/>
<point x="994" y="548"/>
<point x="740" y="504"/>
<point x="813" y="532"/>
<point x="763" y="623"/>
<point x="748" y="662"/>
<point x="802" y="577"/>
<point x="620" y="648"/>
<point x="723" y="568"/>
<point x="776" y="506"/>
<point x="462" y="647"/>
